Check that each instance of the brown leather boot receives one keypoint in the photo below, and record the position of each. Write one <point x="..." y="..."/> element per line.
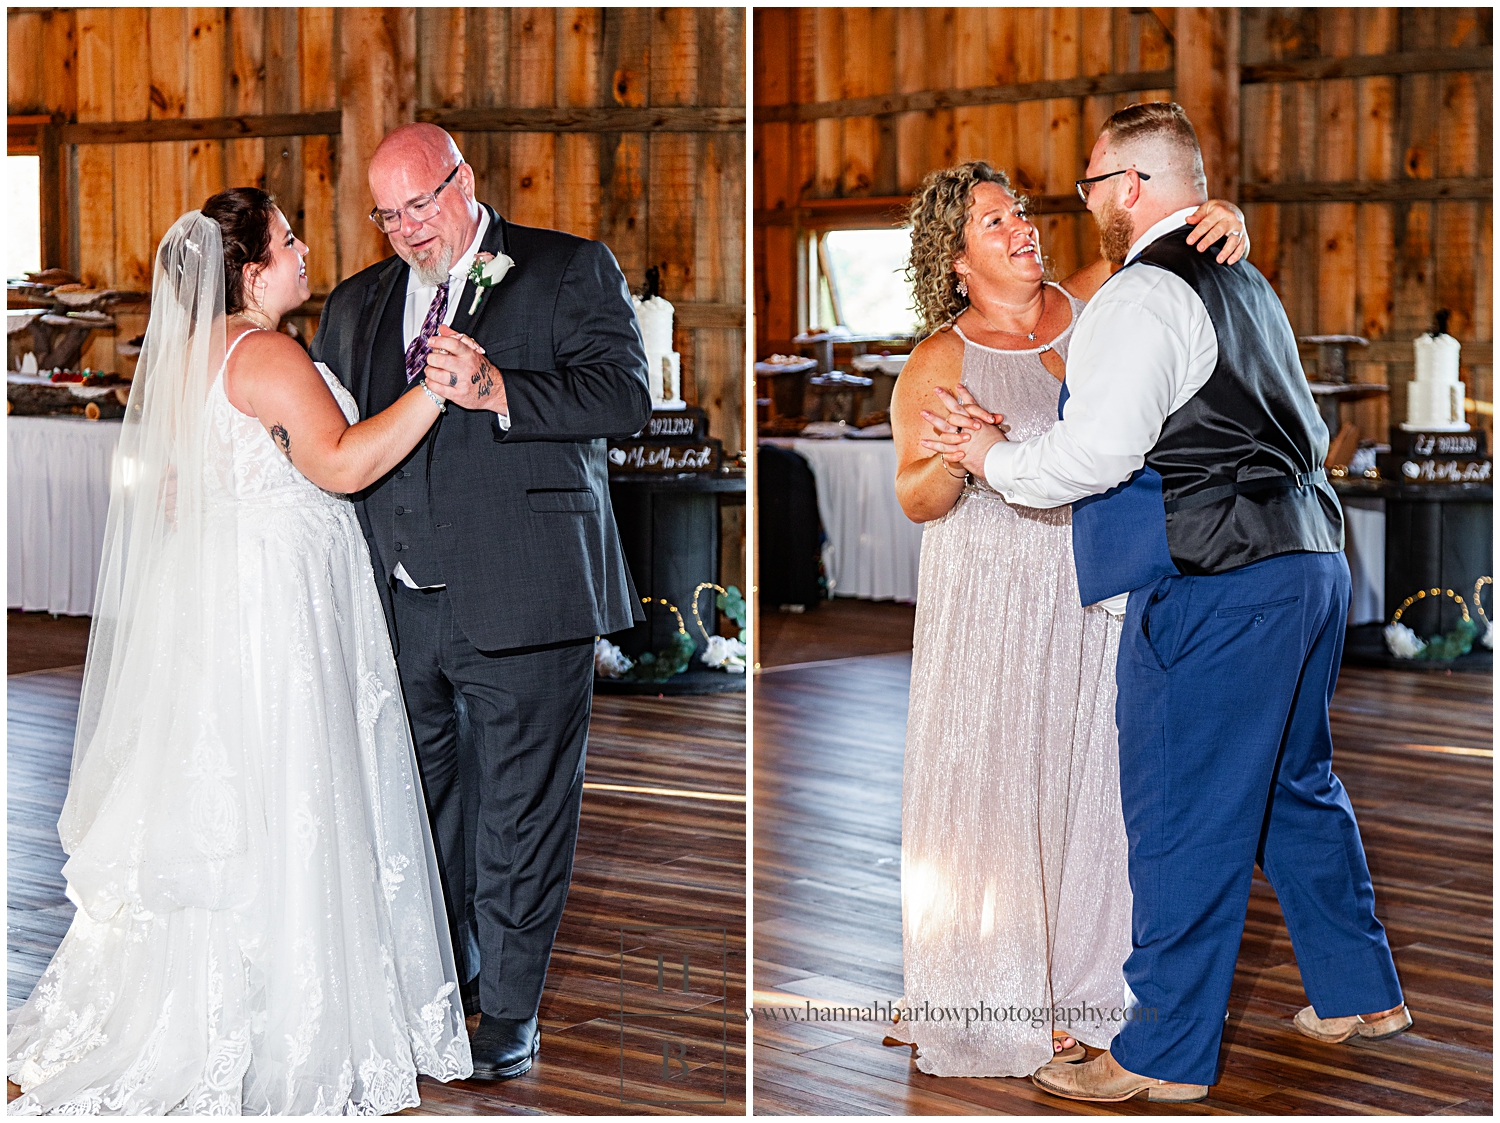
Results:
<point x="1102" y="1080"/>
<point x="1334" y="1030"/>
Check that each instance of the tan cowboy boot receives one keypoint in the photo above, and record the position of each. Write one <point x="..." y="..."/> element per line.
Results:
<point x="1376" y="1027"/>
<point x="1102" y="1080"/>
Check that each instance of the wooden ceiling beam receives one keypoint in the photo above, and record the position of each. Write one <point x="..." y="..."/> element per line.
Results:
<point x="1370" y="66"/>
<point x="589" y="119"/>
<point x="203" y="128"/>
<point x="922" y="100"/>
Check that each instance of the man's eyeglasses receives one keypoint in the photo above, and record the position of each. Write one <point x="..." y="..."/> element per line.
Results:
<point x="421" y="209"/>
<point x="1086" y="185"/>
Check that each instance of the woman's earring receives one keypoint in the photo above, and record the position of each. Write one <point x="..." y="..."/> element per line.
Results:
<point x="963" y="287"/>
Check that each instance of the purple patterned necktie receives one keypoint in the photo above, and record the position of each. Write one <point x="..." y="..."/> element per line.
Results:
<point x="416" y="354"/>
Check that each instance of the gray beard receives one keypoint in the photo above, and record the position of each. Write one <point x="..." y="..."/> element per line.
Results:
<point x="1114" y="234"/>
<point x="434" y="271"/>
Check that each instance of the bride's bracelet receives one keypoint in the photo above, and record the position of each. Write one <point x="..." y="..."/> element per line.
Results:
<point x="437" y="401"/>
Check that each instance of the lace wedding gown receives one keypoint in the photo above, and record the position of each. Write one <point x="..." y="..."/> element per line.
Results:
<point x="1014" y="887"/>
<point x="308" y="971"/>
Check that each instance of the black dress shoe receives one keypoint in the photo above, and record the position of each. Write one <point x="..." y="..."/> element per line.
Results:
<point x="504" y="1047"/>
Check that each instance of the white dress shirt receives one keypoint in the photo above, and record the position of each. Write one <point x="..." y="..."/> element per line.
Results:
<point x="419" y="297"/>
<point x="1144" y="345"/>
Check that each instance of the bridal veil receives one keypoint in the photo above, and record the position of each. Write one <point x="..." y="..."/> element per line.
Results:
<point x="163" y="721"/>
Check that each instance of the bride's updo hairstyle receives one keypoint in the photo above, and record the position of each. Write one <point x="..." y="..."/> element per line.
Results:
<point x="939" y="214"/>
<point x="244" y="215"/>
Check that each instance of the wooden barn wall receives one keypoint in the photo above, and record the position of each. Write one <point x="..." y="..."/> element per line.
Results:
<point x="674" y="200"/>
<point x="1378" y="268"/>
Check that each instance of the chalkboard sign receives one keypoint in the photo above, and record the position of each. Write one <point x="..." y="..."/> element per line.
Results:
<point x="664" y="456"/>
<point x="689" y="424"/>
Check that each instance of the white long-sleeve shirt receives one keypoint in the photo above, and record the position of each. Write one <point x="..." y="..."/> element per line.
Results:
<point x="1144" y="345"/>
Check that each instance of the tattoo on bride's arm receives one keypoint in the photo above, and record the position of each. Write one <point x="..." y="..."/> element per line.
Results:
<point x="485" y="379"/>
<point x="282" y="438"/>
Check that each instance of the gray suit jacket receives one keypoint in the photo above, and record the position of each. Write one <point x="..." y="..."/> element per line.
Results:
<point x="523" y="528"/>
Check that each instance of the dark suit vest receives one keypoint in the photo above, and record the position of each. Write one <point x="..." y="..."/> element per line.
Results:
<point x="401" y="512"/>
<point x="1241" y="463"/>
<point x="1236" y="475"/>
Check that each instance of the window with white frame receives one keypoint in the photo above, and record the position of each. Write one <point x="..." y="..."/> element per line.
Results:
<point x="858" y="281"/>
<point x="23" y="209"/>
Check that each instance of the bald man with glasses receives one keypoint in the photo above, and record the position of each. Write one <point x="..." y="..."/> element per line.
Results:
<point x="494" y="545"/>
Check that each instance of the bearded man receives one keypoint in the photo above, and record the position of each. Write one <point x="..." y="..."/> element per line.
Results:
<point x="1192" y="454"/>
<point x="494" y="545"/>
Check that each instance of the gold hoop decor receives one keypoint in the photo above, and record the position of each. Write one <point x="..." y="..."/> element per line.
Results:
<point x="698" y="592"/>
<point x="681" y="625"/>
<point x="1403" y="643"/>
<point x="1422" y="594"/>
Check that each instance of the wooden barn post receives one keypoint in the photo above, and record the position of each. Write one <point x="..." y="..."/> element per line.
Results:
<point x="1208" y="88"/>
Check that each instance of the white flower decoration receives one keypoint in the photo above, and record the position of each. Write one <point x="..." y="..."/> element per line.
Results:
<point x="1402" y="642"/>
<point x="726" y="653"/>
<point x="609" y="660"/>
<point x="488" y="270"/>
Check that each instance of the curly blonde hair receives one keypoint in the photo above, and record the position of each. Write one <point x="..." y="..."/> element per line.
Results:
<point x="939" y="214"/>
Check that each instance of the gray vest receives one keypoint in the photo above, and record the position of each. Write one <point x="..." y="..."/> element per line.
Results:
<point x="401" y="512"/>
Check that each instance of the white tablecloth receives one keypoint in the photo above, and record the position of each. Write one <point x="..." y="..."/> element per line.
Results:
<point x="1364" y="545"/>
<point x="874" y="550"/>
<point x="58" y="498"/>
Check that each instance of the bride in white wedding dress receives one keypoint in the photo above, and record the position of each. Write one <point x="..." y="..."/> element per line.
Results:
<point x="260" y="925"/>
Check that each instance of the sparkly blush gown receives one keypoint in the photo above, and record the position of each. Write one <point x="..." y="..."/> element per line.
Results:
<point x="1014" y="886"/>
<point x="308" y="970"/>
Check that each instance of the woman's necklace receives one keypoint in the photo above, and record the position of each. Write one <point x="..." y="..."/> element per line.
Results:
<point x="244" y="314"/>
<point x="1030" y="335"/>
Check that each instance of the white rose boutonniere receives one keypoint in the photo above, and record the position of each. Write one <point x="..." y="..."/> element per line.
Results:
<point x="488" y="270"/>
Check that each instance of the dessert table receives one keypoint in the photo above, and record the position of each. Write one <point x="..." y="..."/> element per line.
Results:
<point x="874" y="550"/>
<point x="58" y="471"/>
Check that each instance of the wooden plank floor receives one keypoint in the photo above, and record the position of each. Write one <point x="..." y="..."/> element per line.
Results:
<point x="835" y="629"/>
<point x="827" y="793"/>
<point x="39" y="641"/>
<point x="643" y="860"/>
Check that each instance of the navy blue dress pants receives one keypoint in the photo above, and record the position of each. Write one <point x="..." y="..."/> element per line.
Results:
<point x="1225" y="762"/>
<point x="501" y="740"/>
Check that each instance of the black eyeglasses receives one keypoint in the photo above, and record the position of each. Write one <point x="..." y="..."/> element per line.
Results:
<point x="422" y="208"/>
<point x="1085" y="185"/>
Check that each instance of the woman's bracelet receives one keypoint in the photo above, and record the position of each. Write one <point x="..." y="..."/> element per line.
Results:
<point x="436" y="400"/>
<point x="964" y="476"/>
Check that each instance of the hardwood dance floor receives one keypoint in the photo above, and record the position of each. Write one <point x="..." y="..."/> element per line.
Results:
<point x="673" y="860"/>
<point x="835" y="629"/>
<point x="39" y="641"/>
<point x="829" y="743"/>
